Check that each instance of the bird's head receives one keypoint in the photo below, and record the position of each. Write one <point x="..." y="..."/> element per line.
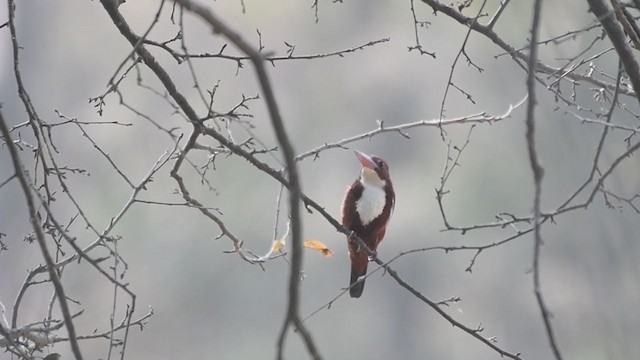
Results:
<point x="375" y="171"/>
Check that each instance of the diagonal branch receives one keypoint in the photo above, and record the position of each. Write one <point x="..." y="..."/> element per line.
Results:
<point x="294" y="186"/>
<point x="24" y="183"/>
<point x="40" y="237"/>
<point x="616" y="34"/>
<point x="293" y="315"/>
<point x="518" y="56"/>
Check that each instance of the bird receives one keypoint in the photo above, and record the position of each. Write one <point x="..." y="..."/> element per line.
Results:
<point x="366" y="210"/>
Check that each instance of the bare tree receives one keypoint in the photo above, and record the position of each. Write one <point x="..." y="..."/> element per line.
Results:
<point x="545" y="112"/>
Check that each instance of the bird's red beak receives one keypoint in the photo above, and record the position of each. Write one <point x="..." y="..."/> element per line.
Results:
<point x="365" y="160"/>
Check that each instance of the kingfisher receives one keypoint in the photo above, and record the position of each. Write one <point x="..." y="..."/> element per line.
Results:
<point x="366" y="209"/>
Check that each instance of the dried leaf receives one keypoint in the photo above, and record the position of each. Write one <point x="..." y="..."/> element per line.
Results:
<point x="318" y="246"/>
<point x="277" y="245"/>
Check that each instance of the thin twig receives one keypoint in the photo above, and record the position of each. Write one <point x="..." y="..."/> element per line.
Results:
<point x="293" y="315"/>
<point x="496" y="16"/>
<point x="453" y="67"/>
<point x="521" y="58"/>
<point x="34" y="218"/>
<point x="400" y="129"/>
<point x="24" y="183"/>
<point x="538" y="173"/>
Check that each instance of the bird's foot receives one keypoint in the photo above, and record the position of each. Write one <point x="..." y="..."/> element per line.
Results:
<point x="373" y="256"/>
<point x="354" y="237"/>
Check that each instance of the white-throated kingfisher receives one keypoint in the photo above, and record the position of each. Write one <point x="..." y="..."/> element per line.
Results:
<point x="366" y="210"/>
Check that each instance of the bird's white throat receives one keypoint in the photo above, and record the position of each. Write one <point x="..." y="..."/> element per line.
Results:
<point x="371" y="178"/>
<point x="371" y="203"/>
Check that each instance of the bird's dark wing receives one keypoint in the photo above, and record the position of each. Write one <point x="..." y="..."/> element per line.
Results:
<point x="350" y="219"/>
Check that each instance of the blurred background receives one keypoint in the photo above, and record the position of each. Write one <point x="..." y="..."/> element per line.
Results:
<point x="212" y="305"/>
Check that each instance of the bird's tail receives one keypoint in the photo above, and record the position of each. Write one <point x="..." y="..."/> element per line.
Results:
<point x="356" y="290"/>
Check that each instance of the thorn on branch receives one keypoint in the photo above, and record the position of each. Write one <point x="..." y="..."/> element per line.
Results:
<point x="473" y="261"/>
<point x="465" y="4"/>
<point x="479" y="328"/>
<point x="452" y="300"/>
<point x="290" y="49"/>
<point x="260" y="46"/>
<point x="404" y="134"/>
<point x="421" y="51"/>
<point x="308" y="208"/>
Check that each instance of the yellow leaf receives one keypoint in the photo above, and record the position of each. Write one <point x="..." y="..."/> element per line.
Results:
<point x="318" y="246"/>
<point x="277" y="245"/>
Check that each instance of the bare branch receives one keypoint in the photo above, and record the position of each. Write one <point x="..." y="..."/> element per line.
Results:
<point x="274" y="59"/>
<point x="468" y="119"/>
<point x="26" y="188"/>
<point x="453" y="67"/>
<point x="616" y="34"/>
<point x="33" y="216"/>
<point x="294" y="185"/>
<point x="496" y="16"/>
<point x="518" y="56"/>
<point x="538" y="173"/>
